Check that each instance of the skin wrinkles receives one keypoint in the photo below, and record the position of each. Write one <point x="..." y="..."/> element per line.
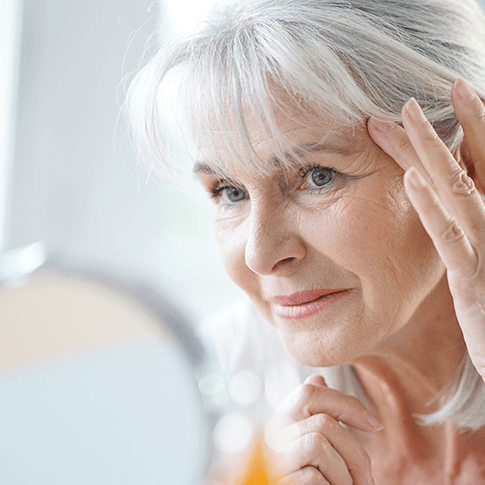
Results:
<point x="282" y="240"/>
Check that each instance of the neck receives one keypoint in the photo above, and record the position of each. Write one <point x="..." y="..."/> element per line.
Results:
<point x="407" y="373"/>
<point x="406" y="376"/>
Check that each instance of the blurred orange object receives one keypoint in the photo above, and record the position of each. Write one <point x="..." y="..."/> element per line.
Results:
<point x="258" y="469"/>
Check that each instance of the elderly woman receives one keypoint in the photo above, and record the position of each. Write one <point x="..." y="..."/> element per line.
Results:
<point x="342" y="143"/>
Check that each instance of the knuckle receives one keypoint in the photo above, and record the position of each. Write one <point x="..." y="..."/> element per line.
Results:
<point x="461" y="183"/>
<point x="310" y="476"/>
<point x="314" y="441"/>
<point x="304" y="395"/>
<point x="325" y="424"/>
<point x="452" y="232"/>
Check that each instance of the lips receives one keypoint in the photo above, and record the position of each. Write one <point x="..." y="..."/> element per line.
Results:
<point x="303" y="297"/>
<point x="306" y="303"/>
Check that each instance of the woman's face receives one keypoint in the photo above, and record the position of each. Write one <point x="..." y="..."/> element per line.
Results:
<point x="332" y="254"/>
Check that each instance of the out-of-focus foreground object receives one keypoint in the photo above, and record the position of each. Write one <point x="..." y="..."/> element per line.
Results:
<point x="97" y="380"/>
<point x="258" y="468"/>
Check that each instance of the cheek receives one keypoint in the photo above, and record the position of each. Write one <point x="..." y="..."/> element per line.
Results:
<point x="382" y="242"/>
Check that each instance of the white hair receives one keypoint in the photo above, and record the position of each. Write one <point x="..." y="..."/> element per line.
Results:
<point x="337" y="60"/>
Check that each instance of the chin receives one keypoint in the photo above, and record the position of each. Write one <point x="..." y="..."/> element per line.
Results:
<point x="330" y="338"/>
<point x="324" y="349"/>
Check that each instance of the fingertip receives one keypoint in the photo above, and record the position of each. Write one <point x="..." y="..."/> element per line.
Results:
<point x="415" y="179"/>
<point x="413" y="111"/>
<point x="381" y="126"/>
<point x="316" y="379"/>
<point x="465" y="93"/>
<point x="374" y="423"/>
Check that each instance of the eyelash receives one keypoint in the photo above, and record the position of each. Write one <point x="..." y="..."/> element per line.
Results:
<point x="218" y="189"/>
<point x="303" y="173"/>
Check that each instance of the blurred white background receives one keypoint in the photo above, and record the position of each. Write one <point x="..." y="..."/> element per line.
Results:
<point x="68" y="174"/>
<point x="125" y="409"/>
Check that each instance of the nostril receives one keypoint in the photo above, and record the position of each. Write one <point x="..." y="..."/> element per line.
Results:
<point x="282" y="262"/>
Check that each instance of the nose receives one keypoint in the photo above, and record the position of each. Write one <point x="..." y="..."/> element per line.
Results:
<point x="274" y="245"/>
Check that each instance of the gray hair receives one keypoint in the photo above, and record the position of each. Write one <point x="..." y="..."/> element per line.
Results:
<point x="337" y="60"/>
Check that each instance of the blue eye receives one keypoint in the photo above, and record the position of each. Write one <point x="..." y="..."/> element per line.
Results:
<point x="322" y="176"/>
<point x="319" y="177"/>
<point x="229" y="194"/>
<point x="234" y="194"/>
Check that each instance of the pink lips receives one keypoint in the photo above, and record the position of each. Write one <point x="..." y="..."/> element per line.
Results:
<point x="306" y="303"/>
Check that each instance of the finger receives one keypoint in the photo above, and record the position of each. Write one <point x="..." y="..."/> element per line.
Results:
<point x="306" y="476"/>
<point x="394" y="140"/>
<point x="316" y="379"/>
<point x="313" y="449"/>
<point x="448" y="237"/>
<point x="353" y="454"/>
<point x="455" y="189"/>
<point x="470" y="112"/>
<point x="461" y="260"/>
<point x="309" y="399"/>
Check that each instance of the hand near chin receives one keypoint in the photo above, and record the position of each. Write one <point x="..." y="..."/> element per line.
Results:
<point x="449" y="201"/>
<point x="309" y="443"/>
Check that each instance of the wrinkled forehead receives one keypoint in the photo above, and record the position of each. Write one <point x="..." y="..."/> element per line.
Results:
<point x="260" y="144"/>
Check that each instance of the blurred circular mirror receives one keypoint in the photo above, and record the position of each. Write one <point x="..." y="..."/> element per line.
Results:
<point x="97" y="382"/>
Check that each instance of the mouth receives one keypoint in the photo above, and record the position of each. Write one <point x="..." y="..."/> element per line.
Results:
<point x="306" y="303"/>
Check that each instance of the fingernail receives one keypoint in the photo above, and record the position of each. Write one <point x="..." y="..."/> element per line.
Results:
<point x="383" y="126"/>
<point x="415" y="179"/>
<point x="374" y="422"/>
<point x="415" y="111"/>
<point x="464" y="90"/>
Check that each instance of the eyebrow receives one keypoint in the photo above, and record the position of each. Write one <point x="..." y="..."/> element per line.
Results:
<point x="205" y="168"/>
<point x="299" y="150"/>
<point x="306" y="148"/>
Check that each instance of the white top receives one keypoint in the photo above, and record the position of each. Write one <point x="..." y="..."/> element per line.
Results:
<point x="257" y="371"/>
<point x="249" y="374"/>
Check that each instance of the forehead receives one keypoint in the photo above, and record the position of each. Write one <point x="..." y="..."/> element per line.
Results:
<point x="275" y="125"/>
<point x="292" y="143"/>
